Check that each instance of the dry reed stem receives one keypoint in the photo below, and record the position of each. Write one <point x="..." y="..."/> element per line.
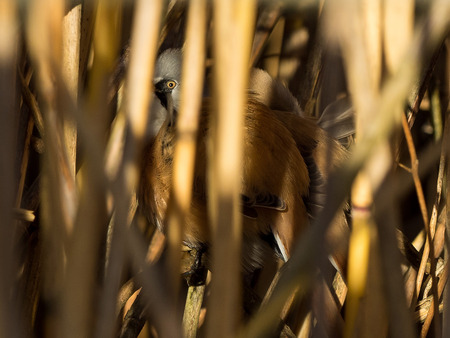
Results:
<point x="31" y="102"/>
<point x="439" y="236"/>
<point x="446" y="216"/>
<point x="326" y="310"/>
<point x="175" y="12"/>
<point x="157" y="303"/>
<point x="264" y="26"/>
<point x="134" y="319"/>
<point x="194" y="300"/>
<point x="312" y="83"/>
<point x="124" y="168"/>
<point x="398" y="31"/>
<point x="186" y="133"/>
<point x="438" y="242"/>
<point x="160" y="310"/>
<point x="80" y="300"/>
<point x="434" y="307"/>
<point x="419" y="93"/>
<point x="425" y="81"/>
<point x="70" y="67"/>
<point x="271" y="62"/>
<point x="429" y="247"/>
<point x="44" y="40"/>
<point x="142" y="58"/>
<point x="365" y="55"/>
<point x="233" y="28"/>
<point x="185" y="152"/>
<point x="9" y="37"/>
<point x="398" y="35"/>
<point x="24" y="162"/>
<point x="395" y="89"/>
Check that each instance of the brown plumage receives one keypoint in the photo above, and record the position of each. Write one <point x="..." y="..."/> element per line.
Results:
<point x="286" y="157"/>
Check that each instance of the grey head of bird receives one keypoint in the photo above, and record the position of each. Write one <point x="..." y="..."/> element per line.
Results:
<point x="167" y="80"/>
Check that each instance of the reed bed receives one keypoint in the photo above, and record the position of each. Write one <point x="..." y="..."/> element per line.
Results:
<point x="77" y="259"/>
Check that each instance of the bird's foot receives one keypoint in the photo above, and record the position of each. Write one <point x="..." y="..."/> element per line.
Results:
<point x="197" y="271"/>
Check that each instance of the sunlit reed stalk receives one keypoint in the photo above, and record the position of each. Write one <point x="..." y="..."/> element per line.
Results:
<point x="44" y="34"/>
<point x="138" y="84"/>
<point x="233" y="30"/>
<point x="138" y="88"/>
<point x="80" y="299"/>
<point x="193" y="73"/>
<point x="365" y="54"/>
<point x="185" y="151"/>
<point x="70" y="67"/>
<point x="122" y="153"/>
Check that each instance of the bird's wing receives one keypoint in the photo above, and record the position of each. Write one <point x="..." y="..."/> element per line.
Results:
<point x="338" y="119"/>
<point x="264" y="200"/>
<point x="275" y="177"/>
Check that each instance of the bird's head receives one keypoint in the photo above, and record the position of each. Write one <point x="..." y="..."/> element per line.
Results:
<point x="167" y="81"/>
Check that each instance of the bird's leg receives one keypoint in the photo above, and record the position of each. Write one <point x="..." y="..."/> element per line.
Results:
<point x="196" y="275"/>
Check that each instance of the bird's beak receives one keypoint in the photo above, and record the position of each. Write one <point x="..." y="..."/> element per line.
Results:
<point x="167" y="101"/>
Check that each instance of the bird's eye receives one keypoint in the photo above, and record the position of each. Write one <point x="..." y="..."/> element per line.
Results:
<point x="171" y="84"/>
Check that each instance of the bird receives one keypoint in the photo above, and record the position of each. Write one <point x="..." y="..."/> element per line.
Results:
<point x="287" y="159"/>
